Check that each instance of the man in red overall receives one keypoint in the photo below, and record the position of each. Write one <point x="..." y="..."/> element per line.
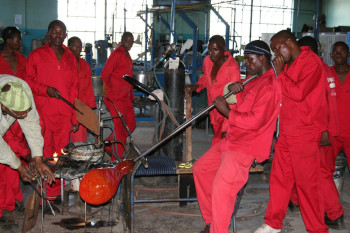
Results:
<point x="297" y="151"/>
<point x="85" y="90"/>
<point x="119" y="91"/>
<point x="223" y="170"/>
<point x="219" y="68"/>
<point x="13" y="63"/>
<point x="333" y="208"/>
<point x="341" y="72"/>
<point x="52" y="72"/>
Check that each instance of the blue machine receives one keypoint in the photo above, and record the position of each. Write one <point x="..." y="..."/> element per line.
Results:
<point x="102" y="47"/>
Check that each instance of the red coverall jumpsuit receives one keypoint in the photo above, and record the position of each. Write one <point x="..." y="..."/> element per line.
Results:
<point x="297" y="152"/>
<point x="223" y="170"/>
<point x="332" y="206"/>
<point x="85" y="95"/>
<point x="14" y="137"/>
<point x="56" y="117"/>
<point x="342" y="142"/>
<point x="120" y="92"/>
<point x="229" y="72"/>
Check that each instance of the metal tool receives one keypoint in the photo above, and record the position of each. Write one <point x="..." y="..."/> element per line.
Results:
<point x="99" y="185"/>
<point x="71" y="105"/>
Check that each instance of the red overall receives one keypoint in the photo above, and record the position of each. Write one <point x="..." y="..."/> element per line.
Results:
<point x="229" y="72"/>
<point x="120" y="92"/>
<point x="56" y="117"/>
<point x="223" y="170"/>
<point x="86" y="95"/>
<point x="297" y="151"/>
<point x="14" y="137"/>
<point x="342" y="142"/>
<point x="332" y="205"/>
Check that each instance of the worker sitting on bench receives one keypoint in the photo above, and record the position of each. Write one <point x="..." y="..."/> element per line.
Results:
<point x="223" y="170"/>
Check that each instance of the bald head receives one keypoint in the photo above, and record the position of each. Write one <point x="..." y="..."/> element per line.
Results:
<point x="284" y="35"/>
<point x="283" y="44"/>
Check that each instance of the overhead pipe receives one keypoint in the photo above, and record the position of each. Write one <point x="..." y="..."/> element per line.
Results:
<point x="227" y="34"/>
<point x="105" y="29"/>
<point x="194" y="46"/>
<point x="146" y="39"/>
<point x="316" y="21"/>
<point x="172" y="38"/>
<point x="297" y="20"/>
<point x="234" y="29"/>
<point x="206" y="27"/>
<point x="124" y="20"/>
<point x="251" y="20"/>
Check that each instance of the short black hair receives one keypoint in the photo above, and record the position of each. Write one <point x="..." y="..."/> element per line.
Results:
<point x="126" y="35"/>
<point x="219" y="39"/>
<point x="309" y="41"/>
<point x="284" y="35"/>
<point x="9" y="33"/>
<point x="340" y="43"/>
<point x="72" y="39"/>
<point x="56" y="22"/>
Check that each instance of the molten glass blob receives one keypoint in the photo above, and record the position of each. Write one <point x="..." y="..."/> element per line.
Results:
<point x="99" y="185"/>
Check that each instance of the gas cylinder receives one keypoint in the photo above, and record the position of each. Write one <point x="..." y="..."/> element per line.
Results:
<point x="174" y="84"/>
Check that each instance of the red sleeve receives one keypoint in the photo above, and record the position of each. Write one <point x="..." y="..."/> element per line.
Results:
<point x="74" y="90"/>
<point x="108" y="68"/>
<point x="21" y="66"/>
<point x="298" y="81"/>
<point x="203" y="80"/>
<point x="258" y="114"/>
<point x="234" y="75"/>
<point x="85" y="83"/>
<point x="31" y="72"/>
<point x="14" y="137"/>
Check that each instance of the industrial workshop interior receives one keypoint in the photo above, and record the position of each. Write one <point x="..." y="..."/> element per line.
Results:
<point x="208" y="116"/>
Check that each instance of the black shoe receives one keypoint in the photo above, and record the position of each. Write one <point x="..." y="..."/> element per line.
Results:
<point x="337" y="224"/>
<point x="19" y="207"/>
<point x="293" y="207"/>
<point x="58" y="200"/>
<point x="206" y="229"/>
<point x="8" y="225"/>
<point x="48" y="211"/>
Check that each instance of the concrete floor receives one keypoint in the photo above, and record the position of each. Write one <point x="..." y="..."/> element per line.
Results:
<point x="169" y="217"/>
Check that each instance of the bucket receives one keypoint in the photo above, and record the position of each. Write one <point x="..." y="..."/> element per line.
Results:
<point x="338" y="175"/>
<point x="83" y="152"/>
<point x="145" y="78"/>
<point x="97" y="86"/>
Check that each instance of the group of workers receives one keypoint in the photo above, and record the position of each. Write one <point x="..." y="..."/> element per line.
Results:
<point x="297" y="96"/>
<point x="296" y="91"/>
<point x="35" y="123"/>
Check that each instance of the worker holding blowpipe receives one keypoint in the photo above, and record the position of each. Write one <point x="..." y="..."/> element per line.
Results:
<point x="223" y="170"/>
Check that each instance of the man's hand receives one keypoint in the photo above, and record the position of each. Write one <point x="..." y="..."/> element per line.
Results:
<point x="222" y="106"/>
<point x="53" y="92"/>
<point x="189" y="89"/>
<point x="75" y="128"/>
<point x="43" y="169"/>
<point x="325" y="139"/>
<point x="236" y="87"/>
<point x="278" y="63"/>
<point x="24" y="174"/>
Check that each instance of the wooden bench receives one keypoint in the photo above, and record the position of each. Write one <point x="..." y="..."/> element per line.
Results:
<point x="186" y="183"/>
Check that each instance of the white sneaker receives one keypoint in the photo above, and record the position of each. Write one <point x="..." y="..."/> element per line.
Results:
<point x="267" y="229"/>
